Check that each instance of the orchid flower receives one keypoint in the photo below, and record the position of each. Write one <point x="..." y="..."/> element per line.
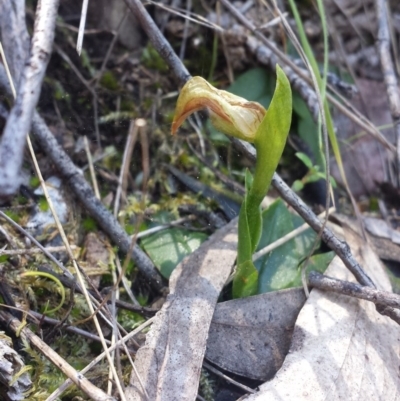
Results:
<point x="229" y="113"/>
<point x="268" y="131"/>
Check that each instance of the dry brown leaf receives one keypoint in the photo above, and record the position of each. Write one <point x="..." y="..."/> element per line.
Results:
<point x="251" y="336"/>
<point x="170" y="362"/>
<point x="341" y="348"/>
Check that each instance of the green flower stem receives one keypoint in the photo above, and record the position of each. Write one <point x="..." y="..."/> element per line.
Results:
<point x="269" y="142"/>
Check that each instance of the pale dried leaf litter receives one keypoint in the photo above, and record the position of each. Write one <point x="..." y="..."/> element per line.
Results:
<point x="170" y="362"/>
<point x="251" y="336"/>
<point x="10" y="366"/>
<point x="342" y="348"/>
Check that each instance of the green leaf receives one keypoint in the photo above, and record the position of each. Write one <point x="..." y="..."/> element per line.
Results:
<point x="305" y="159"/>
<point x="271" y="137"/>
<point x="278" y="269"/>
<point x="305" y="241"/>
<point x="254" y="85"/>
<point x="167" y="248"/>
<point x="297" y="186"/>
<point x="318" y="263"/>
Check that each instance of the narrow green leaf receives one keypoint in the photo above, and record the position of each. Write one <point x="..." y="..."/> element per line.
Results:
<point x="305" y="159"/>
<point x="318" y="263"/>
<point x="270" y="141"/>
<point x="271" y="137"/>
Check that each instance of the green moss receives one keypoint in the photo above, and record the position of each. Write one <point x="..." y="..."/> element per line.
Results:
<point x="109" y="81"/>
<point x="89" y="224"/>
<point x="151" y="59"/>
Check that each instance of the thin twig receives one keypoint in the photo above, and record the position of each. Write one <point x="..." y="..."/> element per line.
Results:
<point x="322" y="282"/>
<point x="392" y="90"/>
<point x="33" y="251"/>
<point x="126" y="159"/>
<point x="91" y="167"/>
<point x="82" y="24"/>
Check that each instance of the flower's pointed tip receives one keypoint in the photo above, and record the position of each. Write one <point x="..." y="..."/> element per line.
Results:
<point x="174" y="127"/>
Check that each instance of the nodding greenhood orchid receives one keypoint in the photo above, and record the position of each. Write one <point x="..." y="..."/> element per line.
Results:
<point x="229" y="113"/>
<point x="268" y="131"/>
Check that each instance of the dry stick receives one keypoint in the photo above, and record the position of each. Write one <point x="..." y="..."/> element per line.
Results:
<point x="392" y="90"/>
<point x="123" y="340"/>
<point x="82" y="24"/>
<point x="33" y="251"/>
<point x="126" y="159"/>
<point x="91" y="167"/>
<point x="40" y="319"/>
<point x="27" y="335"/>
<point x="344" y="108"/>
<point x="322" y="282"/>
<point x="19" y="121"/>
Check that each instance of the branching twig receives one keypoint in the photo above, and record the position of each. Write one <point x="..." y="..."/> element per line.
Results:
<point x="12" y="142"/>
<point x="392" y="89"/>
